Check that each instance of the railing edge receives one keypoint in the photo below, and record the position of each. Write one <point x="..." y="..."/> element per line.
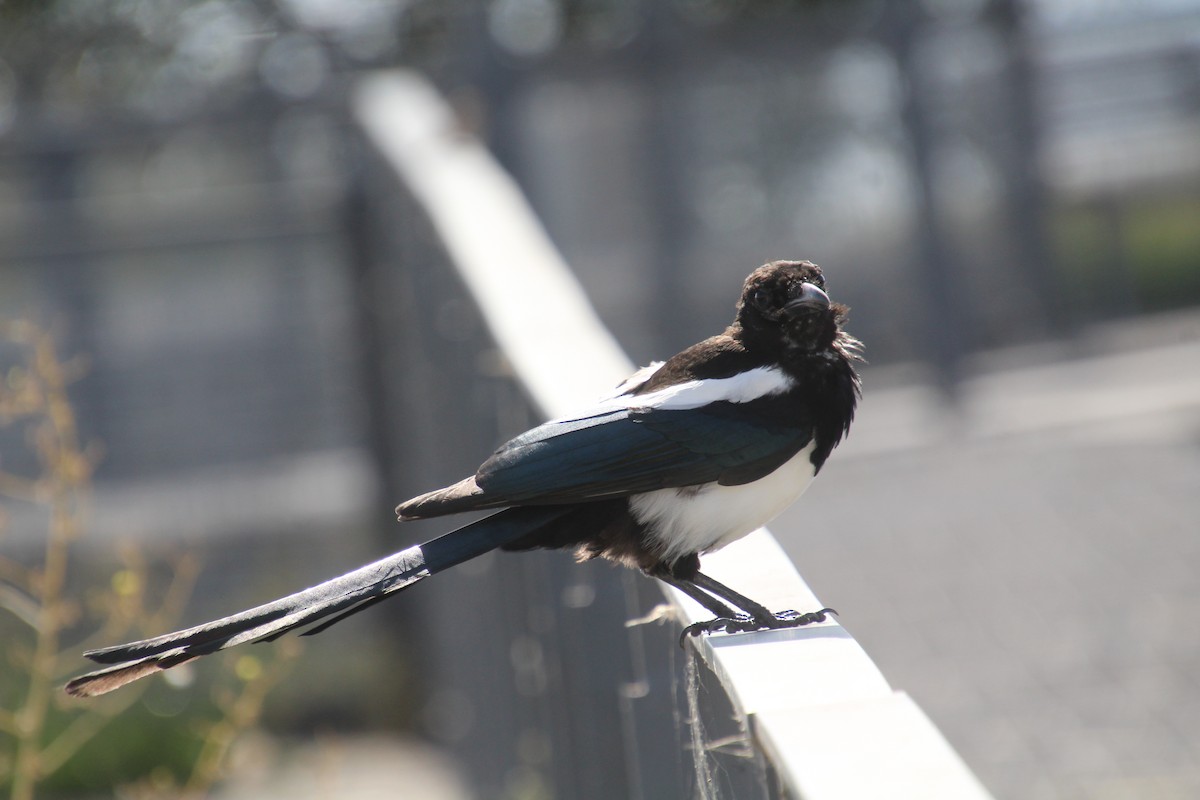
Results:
<point x="815" y="699"/>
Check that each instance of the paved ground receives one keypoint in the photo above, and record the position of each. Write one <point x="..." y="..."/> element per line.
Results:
<point x="1027" y="568"/>
<point x="333" y="767"/>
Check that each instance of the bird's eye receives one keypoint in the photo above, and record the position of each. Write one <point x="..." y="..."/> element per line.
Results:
<point x="761" y="299"/>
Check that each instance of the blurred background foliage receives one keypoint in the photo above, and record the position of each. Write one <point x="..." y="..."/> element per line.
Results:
<point x="157" y="740"/>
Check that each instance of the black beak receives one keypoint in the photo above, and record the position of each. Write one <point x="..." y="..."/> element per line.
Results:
<point x="810" y="299"/>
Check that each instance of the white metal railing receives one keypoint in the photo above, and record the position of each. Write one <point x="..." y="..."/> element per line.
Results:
<point x="822" y="712"/>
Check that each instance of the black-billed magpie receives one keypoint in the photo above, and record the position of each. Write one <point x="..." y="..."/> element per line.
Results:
<point x="687" y="456"/>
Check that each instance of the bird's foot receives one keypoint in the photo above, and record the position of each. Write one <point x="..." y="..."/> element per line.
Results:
<point x="744" y="622"/>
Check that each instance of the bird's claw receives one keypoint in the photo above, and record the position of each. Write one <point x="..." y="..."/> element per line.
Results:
<point x="743" y="623"/>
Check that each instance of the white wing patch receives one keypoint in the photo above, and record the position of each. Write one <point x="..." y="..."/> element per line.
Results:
<point x="636" y="379"/>
<point x="740" y="388"/>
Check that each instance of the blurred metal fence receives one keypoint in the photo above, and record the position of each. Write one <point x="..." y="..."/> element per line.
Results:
<point x="980" y="173"/>
<point x="565" y="680"/>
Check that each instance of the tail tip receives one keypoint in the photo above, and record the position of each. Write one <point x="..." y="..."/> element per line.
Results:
<point x="449" y="500"/>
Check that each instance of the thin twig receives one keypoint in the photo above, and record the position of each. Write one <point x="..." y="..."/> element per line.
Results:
<point x="19" y="604"/>
<point x="83" y="729"/>
<point x="14" y="574"/>
<point x="18" y="487"/>
<point x="57" y="445"/>
<point x="240" y="714"/>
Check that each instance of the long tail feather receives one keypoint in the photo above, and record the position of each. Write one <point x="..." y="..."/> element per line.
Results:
<point x="341" y="596"/>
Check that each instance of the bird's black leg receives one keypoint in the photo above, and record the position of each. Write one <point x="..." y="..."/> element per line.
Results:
<point x="760" y="617"/>
<point x="718" y="598"/>
<point x="696" y="593"/>
<point x="738" y="599"/>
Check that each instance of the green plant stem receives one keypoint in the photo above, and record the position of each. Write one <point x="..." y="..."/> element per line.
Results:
<point x="59" y="452"/>
<point x="239" y="714"/>
<point x="81" y="730"/>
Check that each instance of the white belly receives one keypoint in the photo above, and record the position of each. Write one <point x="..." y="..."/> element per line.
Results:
<point x="700" y="519"/>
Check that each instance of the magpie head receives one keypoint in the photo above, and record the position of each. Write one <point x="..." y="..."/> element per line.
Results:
<point x="784" y="305"/>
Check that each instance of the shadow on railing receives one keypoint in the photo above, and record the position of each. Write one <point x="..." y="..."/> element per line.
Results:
<point x="552" y="679"/>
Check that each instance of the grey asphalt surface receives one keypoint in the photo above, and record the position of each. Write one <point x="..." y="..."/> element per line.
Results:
<point x="1026" y="566"/>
